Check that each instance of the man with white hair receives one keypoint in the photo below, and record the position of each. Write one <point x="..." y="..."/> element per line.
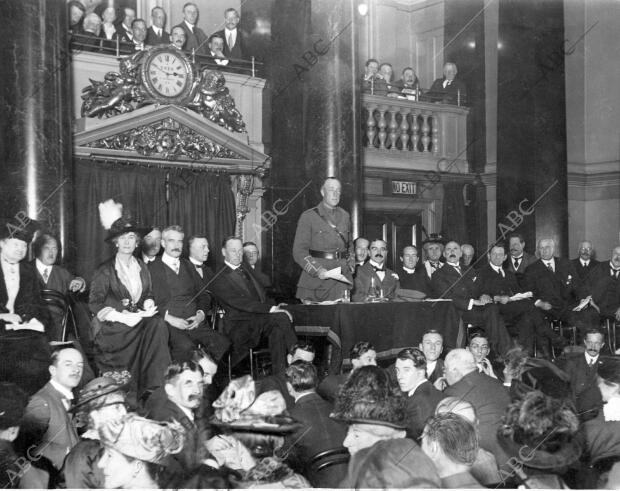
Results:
<point x="449" y="89"/>
<point x="553" y="281"/>
<point x="487" y="395"/>
<point x="89" y="37"/>
<point x="584" y="264"/>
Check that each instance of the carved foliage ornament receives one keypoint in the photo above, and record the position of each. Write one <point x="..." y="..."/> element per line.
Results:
<point x="162" y="75"/>
<point x="168" y="139"/>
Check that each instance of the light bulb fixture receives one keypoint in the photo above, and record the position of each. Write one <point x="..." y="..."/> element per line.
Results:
<point x="362" y="8"/>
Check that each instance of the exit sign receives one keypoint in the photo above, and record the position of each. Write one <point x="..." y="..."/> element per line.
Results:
<point x="403" y="187"/>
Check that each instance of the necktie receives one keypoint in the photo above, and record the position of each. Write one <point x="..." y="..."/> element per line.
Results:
<point x="500" y="272"/>
<point x="458" y="269"/>
<point x="230" y="41"/>
<point x="46" y="274"/>
<point x="199" y="269"/>
<point x="248" y="281"/>
<point x="377" y="268"/>
<point x="66" y="402"/>
<point x="175" y="267"/>
<point x="434" y="265"/>
<point x="614" y="273"/>
<point x="591" y="363"/>
<point x="516" y="264"/>
<point x="550" y="266"/>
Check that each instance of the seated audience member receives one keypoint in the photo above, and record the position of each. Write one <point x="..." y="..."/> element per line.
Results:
<point x="552" y="280"/>
<point x="156" y="34"/>
<point x="108" y="30"/>
<point x="548" y="429"/>
<point x="196" y="39"/>
<point x="603" y="432"/>
<point x="372" y="81"/>
<point x="582" y="370"/>
<point x="234" y="42"/>
<point x="177" y="37"/>
<point x="451" y="282"/>
<point x="433" y="251"/>
<point x="604" y="286"/>
<point x="362" y="354"/>
<point x="135" y="452"/>
<point x="47" y="425"/>
<point x="54" y="277"/>
<point x="410" y="275"/>
<point x="249" y="316"/>
<point x="24" y="318"/>
<point x="373" y="279"/>
<point x="381" y="456"/>
<point x="408" y="83"/>
<point x="467" y="258"/>
<point x="126" y="331"/>
<point x="478" y="345"/>
<point x="448" y="90"/>
<point x="184" y="385"/>
<point x="13" y="471"/>
<point x="451" y="442"/>
<point x="432" y="347"/>
<point x="387" y="72"/>
<point x="150" y="246"/>
<point x="487" y="395"/>
<point x="519" y="259"/>
<point x="585" y="263"/>
<point x="252" y="257"/>
<point x="101" y="401"/>
<point x="360" y="248"/>
<point x="524" y="374"/>
<point x="183" y="301"/>
<point x="277" y="381"/>
<point x="124" y="26"/>
<point x="318" y="434"/>
<point x="524" y="321"/>
<point x="422" y="397"/>
<point x="198" y="255"/>
<point x="484" y="468"/>
<point x="216" y="50"/>
<point x="138" y="28"/>
<point x="90" y="39"/>
<point x="76" y="16"/>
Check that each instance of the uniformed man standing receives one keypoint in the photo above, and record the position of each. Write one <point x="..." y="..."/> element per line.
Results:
<point x="321" y="244"/>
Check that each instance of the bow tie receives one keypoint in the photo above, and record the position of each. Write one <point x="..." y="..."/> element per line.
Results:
<point x="434" y="265"/>
<point x="379" y="268"/>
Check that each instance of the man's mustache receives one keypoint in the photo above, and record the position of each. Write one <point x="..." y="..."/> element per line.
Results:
<point x="379" y="255"/>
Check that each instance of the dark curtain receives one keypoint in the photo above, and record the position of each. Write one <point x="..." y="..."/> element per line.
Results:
<point x="200" y="202"/>
<point x="141" y="190"/>
<point x="203" y="203"/>
<point x="453" y="216"/>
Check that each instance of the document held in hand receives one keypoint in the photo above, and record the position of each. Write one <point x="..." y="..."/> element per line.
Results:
<point x="336" y="274"/>
<point x="32" y="325"/>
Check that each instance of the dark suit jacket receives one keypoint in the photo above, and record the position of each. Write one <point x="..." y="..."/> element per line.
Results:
<point x="414" y="281"/>
<point x="526" y="260"/>
<point x="437" y="373"/>
<point x="421" y="406"/>
<point x="238" y="300"/>
<point x="59" y="279"/>
<point x="239" y="49"/>
<point x="605" y="290"/>
<point x="491" y="283"/>
<point x="153" y="39"/>
<point x="448" y="283"/>
<point x="583" y="273"/>
<point x="194" y="40"/>
<point x="450" y="93"/>
<point x="196" y="434"/>
<point x="363" y="282"/>
<point x="489" y="398"/>
<point x="330" y="385"/>
<point x="318" y="434"/>
<point x="583" y="381"/>
<point x="28" y="303"/>
<point x="46" y="421"/>
<point x="553" y="287"/>
<point x="126" y="35"/>
<point x="162" y="292"/>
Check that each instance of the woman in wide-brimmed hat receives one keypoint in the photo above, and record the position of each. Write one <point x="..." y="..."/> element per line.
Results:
<point x="126" y="331"/>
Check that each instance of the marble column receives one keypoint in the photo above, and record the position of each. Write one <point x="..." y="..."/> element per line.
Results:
<point x="332" y="94"/>
<point x="531" y="122"/>
<point x="35" y="121"/>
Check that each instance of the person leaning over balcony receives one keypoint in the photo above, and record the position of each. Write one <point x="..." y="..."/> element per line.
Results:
<point x="89" y="38"/>
<point x="409" y="82"/>
<point x="449" y="89"/>
<point x="234" y="38"/>
<point x="156" y="34"/>
<point x="372" y="80"/>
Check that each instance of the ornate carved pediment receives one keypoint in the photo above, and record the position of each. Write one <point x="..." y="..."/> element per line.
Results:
<point x="167" y="134"/>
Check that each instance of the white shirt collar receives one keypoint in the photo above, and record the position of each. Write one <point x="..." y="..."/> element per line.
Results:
<point x="191" y="27"/>
<point x="584" y="263"/>
<point x="409" y="270"/>
<point x="590" y="359"/>
<point x="173" y="262"/>
<point x="550" y="261"/>
<point x="497" y="269"/>
<point x="63" y="390"/>
<point x="42" y="267"/>
<point x="231" y="266"/>
<point x="157" y="30"/>
<point x="194" y="262"/>
<point x="377" y="265"/>
<point x="515" y="258"/>
<point x="430" y="367"/>
<point x="410" y="393"/>
<point x="146" y="259"/>
<point x="188" y="412"/>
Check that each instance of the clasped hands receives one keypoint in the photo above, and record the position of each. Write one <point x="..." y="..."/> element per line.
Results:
<point x="185" y="324"/>
<point x="133" y="318"/>
<point x="277" y="309"/>
<point x="483" y="300"/>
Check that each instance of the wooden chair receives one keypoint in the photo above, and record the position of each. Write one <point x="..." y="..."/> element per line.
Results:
<point x="559" y="327"/>
<point x="322" y="465"/>
<point x="62" y="303"/>
<point x="609" y="326"/>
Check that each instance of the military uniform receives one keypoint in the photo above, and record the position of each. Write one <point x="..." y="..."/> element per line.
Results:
<point x="314" y="238"/>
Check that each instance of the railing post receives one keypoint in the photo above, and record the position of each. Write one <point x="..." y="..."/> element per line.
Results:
<point x="404" y="130"/>
<point x="371" y="124"/>
<point x="382" y="125"/>
<point x="393" y="128"/>
<point x="425" y="131"/>
<point x="436" y="123"/>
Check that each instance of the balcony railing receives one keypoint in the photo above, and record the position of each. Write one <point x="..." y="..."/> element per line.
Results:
<point x="417" y="129"/>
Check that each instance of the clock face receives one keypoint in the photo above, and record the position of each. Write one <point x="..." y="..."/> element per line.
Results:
<point x="167" y="74"/>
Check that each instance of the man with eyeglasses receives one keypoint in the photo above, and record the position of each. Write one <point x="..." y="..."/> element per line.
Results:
<point x="100" y="402"/>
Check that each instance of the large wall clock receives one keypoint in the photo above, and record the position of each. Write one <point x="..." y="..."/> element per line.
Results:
<point x="167" y="75"/>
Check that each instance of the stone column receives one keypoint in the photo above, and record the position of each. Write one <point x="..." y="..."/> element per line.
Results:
<point x="35" y="121"/>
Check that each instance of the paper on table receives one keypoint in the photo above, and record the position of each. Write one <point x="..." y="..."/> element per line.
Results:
<point x="438" y="300"/>
<point x="336" y="274"/>
<point x="584" y="303"/>
<point x="521" y="296"/>
<point x="32" y="325"/>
